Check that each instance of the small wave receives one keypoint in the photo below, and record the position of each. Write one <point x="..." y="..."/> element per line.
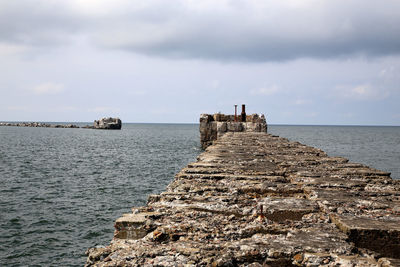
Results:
<point x="40" y="223"/>
<point x="92" y="234"/>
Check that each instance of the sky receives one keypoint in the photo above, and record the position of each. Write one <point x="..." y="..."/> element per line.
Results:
<point x="333" y="62"/>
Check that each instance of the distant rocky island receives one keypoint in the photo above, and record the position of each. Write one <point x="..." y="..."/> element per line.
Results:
<point x="108" y="123"/>
<point x="104" y="123"/>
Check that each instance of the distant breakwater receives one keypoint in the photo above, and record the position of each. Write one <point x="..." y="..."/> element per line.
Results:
<point x="41" y="124"/>
<point x="104" y="123"/>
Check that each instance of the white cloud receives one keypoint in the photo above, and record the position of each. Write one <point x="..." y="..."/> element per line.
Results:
<point x="104" y="109"/>
<point x="215" y="84"/>
<point x="311" y="114"/>
<point x="66" y="108"/>
<point x="287" y="114"/>
<point x="361" y="92"/>
<point x="48" y="88"/>
<point x="17" y="108"/>
<point x="7" y="49"/>
<point x="137" y="93"/>
<point x="265" y="91"/>
<point x="300" y="102"/>
<point x="348" y="115"/>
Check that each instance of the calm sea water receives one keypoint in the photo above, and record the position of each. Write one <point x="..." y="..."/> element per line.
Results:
<point x="375" y="146"/>
<point x="62" y="189"/>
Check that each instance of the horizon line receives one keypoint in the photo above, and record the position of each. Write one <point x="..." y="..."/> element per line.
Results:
<point x="271" y="124"/>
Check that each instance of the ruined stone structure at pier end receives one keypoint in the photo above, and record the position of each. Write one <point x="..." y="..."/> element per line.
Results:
<point x="254" y="199"/>
<point x="214" y="126"/>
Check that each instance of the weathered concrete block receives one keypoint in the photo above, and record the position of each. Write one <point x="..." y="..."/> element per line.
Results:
<point x="222" y="127"/>
<point x="382" y="236"/>
<point x="130" y="226"/>
<point x="134" y="226"/>
<point x="236" y="126"/>
<point x="206" y="118"/>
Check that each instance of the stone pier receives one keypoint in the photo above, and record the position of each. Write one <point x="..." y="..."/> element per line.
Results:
<point x="254" y="199"/>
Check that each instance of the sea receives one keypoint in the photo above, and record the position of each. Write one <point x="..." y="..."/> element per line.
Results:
<point x="62" y="189"/>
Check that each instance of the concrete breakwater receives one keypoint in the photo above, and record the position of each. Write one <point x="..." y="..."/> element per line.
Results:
<point x="104" y="123"/>
<point x="38" y="124"/>
<point x="254" y="199"/>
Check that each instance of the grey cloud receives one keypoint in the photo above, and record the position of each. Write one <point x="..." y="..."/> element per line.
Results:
<point x="37" y="23"/>
<point x="226" y="31"/>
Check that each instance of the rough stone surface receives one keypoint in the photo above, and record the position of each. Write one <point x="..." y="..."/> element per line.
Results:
<point x="253" y="199"/>
<point x="108" y="124"/>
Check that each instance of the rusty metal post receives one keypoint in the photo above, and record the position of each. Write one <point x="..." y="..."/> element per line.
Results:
<point x="235" y="113"/>
<point x="243" y="113"/>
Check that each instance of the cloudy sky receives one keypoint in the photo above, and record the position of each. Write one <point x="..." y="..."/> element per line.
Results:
<point x="298" y="62"/>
